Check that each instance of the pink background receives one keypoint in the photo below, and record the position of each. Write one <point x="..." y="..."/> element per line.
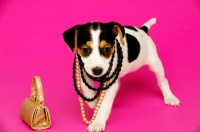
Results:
<point x="31" y="44"/>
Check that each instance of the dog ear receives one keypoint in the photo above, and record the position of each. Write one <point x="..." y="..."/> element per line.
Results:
<point x="118" y="29"/>
<point x="70" y="37"/>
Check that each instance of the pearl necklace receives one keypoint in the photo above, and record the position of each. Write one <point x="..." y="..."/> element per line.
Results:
<point x="77" y="73"/>
<point x="78" y="85"/>
<point x="113" y="77"/>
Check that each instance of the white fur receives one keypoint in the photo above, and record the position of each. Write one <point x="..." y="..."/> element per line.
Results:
<point x="147" y="56"/>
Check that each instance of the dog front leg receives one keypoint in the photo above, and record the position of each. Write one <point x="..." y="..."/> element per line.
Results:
<point x="99" y="122"/>
<point x="88" y="92"/>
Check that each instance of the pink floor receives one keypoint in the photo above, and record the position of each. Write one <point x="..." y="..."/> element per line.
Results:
<point x="31" y="44"/>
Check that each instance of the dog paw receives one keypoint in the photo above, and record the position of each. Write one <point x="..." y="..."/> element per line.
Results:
<point x="96" y="126"/>
<point x="171" y="100"/>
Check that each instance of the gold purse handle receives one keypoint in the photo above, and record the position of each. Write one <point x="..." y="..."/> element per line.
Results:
<point x="36" y="90"/>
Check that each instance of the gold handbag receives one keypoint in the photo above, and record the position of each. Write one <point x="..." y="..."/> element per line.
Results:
<point x="33" y="111"/>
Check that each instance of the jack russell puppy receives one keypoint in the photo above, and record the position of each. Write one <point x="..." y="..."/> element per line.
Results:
<point x="96" y="43"/>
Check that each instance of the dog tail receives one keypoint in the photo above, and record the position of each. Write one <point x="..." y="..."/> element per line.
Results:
<point x="146" y="27"/>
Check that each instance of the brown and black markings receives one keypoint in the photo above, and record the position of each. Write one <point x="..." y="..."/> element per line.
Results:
<point x="106" y="49"/>
<point x="79" y="37"/>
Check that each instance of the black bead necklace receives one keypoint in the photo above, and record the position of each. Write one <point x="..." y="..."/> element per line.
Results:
<point x="104" y="78"/>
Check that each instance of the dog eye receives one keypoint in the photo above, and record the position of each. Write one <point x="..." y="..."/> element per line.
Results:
<point x="86" y="50"/>
<point x="106" y="49"/>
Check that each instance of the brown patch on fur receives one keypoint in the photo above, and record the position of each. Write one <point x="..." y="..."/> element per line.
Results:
<point x="87" y="45"/>
<point x="103" y="44"/>
<point x="75" y="41"/>
<point x="116" y="30"/>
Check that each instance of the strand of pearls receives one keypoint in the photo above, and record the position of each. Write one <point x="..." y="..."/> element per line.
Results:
<point x="78" y="84"/>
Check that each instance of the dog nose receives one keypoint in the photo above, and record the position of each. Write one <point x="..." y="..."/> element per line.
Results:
<point x="97" y="70"/>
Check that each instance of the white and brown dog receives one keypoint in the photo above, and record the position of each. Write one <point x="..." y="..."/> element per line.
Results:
<point x="96" y="42"/>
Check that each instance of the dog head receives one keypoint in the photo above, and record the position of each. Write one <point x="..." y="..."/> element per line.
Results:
<point x="95" y="43"/>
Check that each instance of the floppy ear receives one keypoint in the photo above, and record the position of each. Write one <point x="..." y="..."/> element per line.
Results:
<point x="118" y="29"/>
<point x="70" y="37"/>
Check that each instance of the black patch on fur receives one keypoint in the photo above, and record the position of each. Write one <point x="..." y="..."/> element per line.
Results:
<point x="107" y="34"/>
<point x="132" y="28"/>
<point x="145" y="29"/>
<point x="133" y="47"/>
<point x="69" y="36"/>
<point x="95" y="25"/>
<point x="83" y="34"/>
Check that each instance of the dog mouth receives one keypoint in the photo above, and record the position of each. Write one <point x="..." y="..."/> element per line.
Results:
<point x="96" y="77"/>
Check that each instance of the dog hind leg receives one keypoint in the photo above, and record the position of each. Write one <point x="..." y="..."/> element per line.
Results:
<point x="156" y="66"/>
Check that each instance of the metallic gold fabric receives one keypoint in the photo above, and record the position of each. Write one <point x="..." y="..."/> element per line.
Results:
<point x="33" y="111"/>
